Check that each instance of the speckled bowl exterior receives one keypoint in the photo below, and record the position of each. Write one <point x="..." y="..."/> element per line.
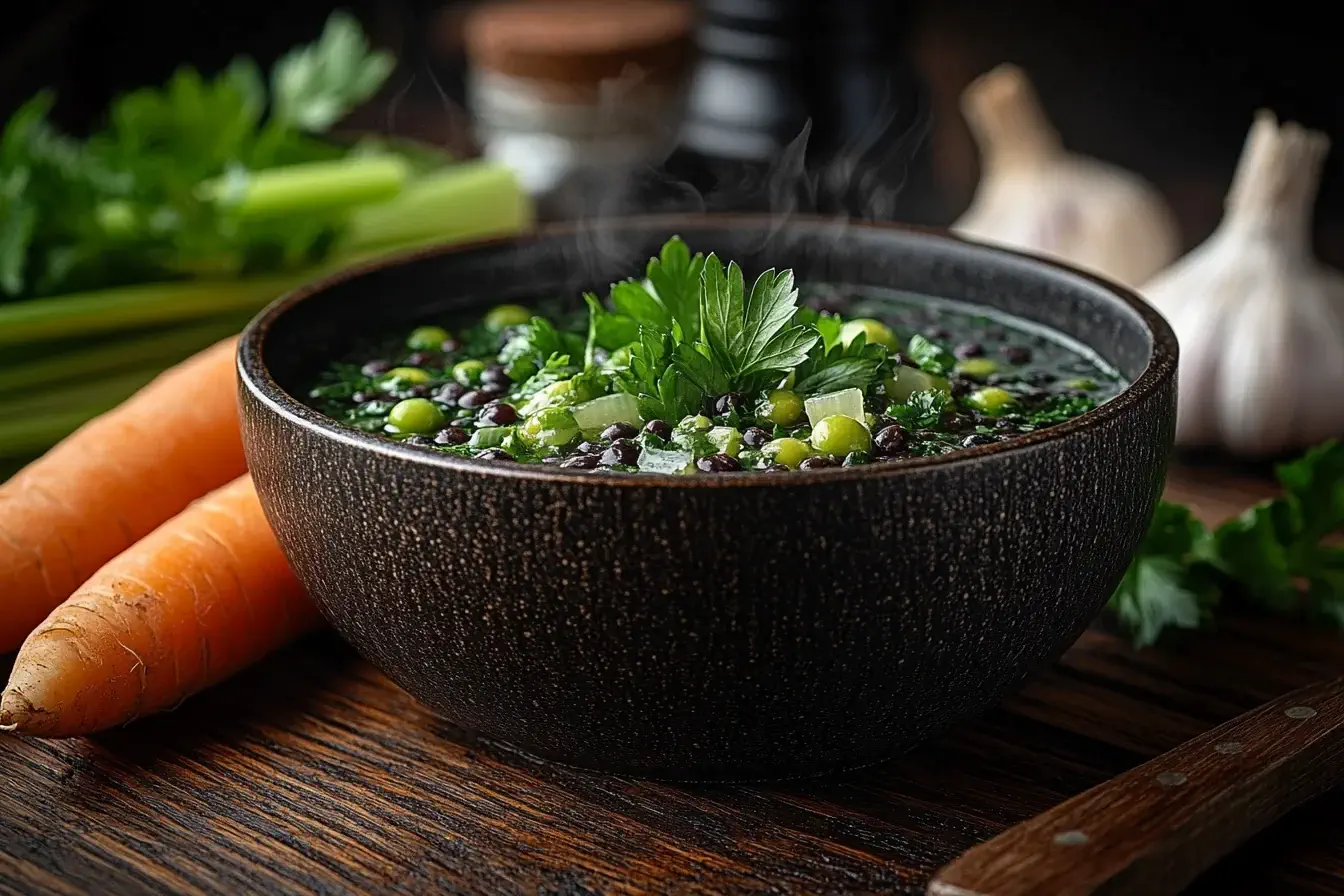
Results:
<point x="731" y="627"/>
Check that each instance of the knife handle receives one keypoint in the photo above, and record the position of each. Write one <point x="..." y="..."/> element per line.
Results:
<point x="1155" y="828"/>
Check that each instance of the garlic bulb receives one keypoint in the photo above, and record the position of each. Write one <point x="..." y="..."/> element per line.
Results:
<point x="1036" y="196"/>
<point x="1259" y="319"/>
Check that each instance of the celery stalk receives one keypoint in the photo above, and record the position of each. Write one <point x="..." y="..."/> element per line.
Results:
<point x="161" y="348"/>
<point x="34" y="423"/>
<point x="470" y="200"/>
<point x="135" y="306"/>
<point x="309" y="187"/>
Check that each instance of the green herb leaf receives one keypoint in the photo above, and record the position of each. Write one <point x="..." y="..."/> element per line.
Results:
<point x="921" y="410"/>
<point x="830" y="368"/>
<point x="929" y="356"/>
<point x="314" y="87"/>
<point x="1058" y="408"/>
<point x="1170" y="584"/>
<point x="537" y="342"/>
<point x="676" y="278"/>
<point x="607" y="329"/>
<point x="751" y="338"/>
<point x="631" y="299"/>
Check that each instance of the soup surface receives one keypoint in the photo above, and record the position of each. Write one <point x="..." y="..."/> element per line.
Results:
<point x="693" y="369"/>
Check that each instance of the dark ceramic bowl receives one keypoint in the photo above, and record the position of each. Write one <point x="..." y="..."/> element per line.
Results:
<point x="708" y="627"/>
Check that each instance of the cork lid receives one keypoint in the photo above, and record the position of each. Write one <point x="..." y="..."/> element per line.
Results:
<point x="580" y="42"/>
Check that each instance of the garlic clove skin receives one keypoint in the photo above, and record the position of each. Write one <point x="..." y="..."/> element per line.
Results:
<point x="1260" y="321"/>
<point x="1037" y="197"/>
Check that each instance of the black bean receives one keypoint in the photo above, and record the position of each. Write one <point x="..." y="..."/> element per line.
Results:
<point x="660" y="428"/>
<point x="497" y="414"/>
<point x="495" y="376"/>
<point x="969" y="350"/>
<point x="1041" y="377"/>
<point x="591" y="448"/>
<point x="817" y="462"/>
<point x="419" y="441"/>
<point x="580" y="462"/>
<point x="450" y="393"/>
<point x="621" y="452"/>
<point x="1016" y="354"/>
<point x="619" y="431"/>
<point x="493" y="454"/>
<point x="376" y="368"/>
<point x="421" y="359"/>
<point x="890" y="439"/>
<point x="449" y="346"/>
<point x="717" y="463"/>
<point x="776" y="468"/>
<point x="451" y="435"/>
<point x="856" y="459"/>
<point x="960" y="387"/>
<point x="978" y="438"/>
<point x="492" y="391"/>
<point x="728" y="402"/>
<point x="755" y="437"/>
<point x="477" y="398"/>
<point x="883" y="421"/>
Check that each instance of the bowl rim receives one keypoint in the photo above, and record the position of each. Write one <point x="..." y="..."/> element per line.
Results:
<point x="256" y="378"/>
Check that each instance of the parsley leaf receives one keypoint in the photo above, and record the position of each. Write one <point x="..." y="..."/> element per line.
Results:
<point x="663" y="393"/>
<point x="607" y="329"/>
<point x="831" y="367"/>
<point x="1058" y="408"/>
<point x="313" y="87"/>
<point x="1170" y="584"/>
<point x="538" y="341"/>
<point x="921" y="410"/>
<point x="632" y="300"/>
<point x="751" y="337"/>
<point x="929" y="356"/>
<point x="676" y="279"/>
<point x="1276" y="556"/>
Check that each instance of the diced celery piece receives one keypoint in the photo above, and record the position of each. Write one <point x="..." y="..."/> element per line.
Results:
<point x="490" y="436"/>
<point x="846" y="402"/>
<point x="727" y="439"/>
<point x="554" y="395"/>
<point x="598" y="414"/>
<point x="906" y="381"/>
<point x="661" y="460"/>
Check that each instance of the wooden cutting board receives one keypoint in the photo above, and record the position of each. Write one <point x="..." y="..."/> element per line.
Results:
<point x="313" y="774"/>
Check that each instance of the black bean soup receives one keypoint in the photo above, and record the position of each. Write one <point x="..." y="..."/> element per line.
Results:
<point x="697" y="370"/>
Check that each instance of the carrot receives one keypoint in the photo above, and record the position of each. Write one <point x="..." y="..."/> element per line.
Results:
<point x="112" y="481"/>
<point x="206" y="594"/>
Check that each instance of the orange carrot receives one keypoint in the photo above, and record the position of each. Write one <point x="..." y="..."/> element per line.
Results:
<point x="112" y="481"/>
<point x="204" y="595"/>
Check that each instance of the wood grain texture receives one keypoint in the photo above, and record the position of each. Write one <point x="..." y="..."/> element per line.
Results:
<point x="1153" y="829"/>
<point x="312" y="774"/>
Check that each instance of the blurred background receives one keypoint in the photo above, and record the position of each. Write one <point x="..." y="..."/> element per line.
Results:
<point x="1165" y="89"/>
<point x="844" y="107"/>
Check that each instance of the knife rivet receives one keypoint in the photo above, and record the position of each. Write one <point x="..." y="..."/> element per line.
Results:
<point x="1299" y="712"/>
<point x="1070" y="838"/>
<point x="1228" y="747"/>
<point x="1171" y="779"/>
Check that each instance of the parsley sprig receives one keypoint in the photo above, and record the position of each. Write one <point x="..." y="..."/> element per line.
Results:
<point x="1277" y="556"/>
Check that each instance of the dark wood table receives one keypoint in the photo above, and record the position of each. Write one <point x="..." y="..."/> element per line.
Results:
<point x="313" y="774"/>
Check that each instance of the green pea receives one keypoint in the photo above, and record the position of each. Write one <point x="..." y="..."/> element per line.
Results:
<point x="695" y="422"/>
<point x="468" y="372"/>
<point x="502" y="316"/>
<point x="876" y="333"/>
<point x="977" y="368"/>
<point x="405" y="375"/>
<point x="840" y="435"/>
<point x="414" y="415"/>
<point x="786" y="451"/>
<point x="550" y="427"/>
<point x="781" y="407"/>
<point x="991" y="400"/>
<point x="424" y="339"/>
